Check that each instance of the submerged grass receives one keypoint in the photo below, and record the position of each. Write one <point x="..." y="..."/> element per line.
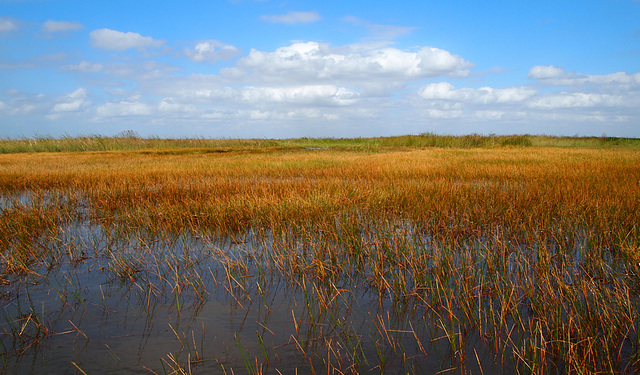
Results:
<point x="474" y="255"/>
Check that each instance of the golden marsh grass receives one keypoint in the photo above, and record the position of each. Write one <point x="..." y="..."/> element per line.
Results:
<point x="265" y="258"/>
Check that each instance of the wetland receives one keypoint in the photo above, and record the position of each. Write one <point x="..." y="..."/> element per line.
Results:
<point x="419" y="254"/>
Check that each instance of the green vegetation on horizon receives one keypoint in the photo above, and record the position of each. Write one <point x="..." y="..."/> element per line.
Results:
<point x="131" y="141"/>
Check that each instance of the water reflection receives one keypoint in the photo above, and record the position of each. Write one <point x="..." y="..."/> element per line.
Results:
<point x="110" y="298"/>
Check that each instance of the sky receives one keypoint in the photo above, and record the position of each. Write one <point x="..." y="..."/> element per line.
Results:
<point x="288" y="69"/>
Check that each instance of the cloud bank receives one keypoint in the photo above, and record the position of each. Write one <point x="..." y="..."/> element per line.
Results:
<point x="121" y="41"/>
<point x="308" y="88"/>
<point x="312" y="62"/>
<point x="555" y="97"/>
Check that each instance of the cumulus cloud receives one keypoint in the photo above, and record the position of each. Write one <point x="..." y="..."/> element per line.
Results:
<point x="580" y="100"/>
<point x="211" y="51"/>
<point x="60" y="26"/>
<point x="172" y="105"/>
<point x="108" y="39"/>
<point x="293" y="17"/>
<point x="623" y="80"/>
<point x="299" y="81"/>
<point x="138" y="71"/>
<point x="8" y="25"/>
<point x="313" y="95"/>
<point x="483" y="95"/>
<point x="23" y="103"/>
<point x="555" y="76"/>
<point x="205" y="94"/>
<point x="124" y="108"/>
<point x="314" y="61"/>
<point x="261" y="96"/>
<point x="444" y="113"/>
<point x="545" y="72"/>
<point x="332" y="85"/>
<point x="489" y="114"/>
<point x="283" y="115"/>
<point x="72" y="102"/>
<point x="84" y="67"/>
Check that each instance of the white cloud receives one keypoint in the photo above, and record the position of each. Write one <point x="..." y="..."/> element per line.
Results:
<point x="24" y="103"/>
<point x="331" y="87"/>
<point x="207" y="95"/>
<point x="381" y="32"/>
<point x="84" y="67"/>
<point x="579" y="100"/>
<point x="285" y="115"/>
<point x="546" y="71"/>
<point x="554" y="76"/>
<point x="120" y="41"/>
<point x="124" y="108"/>
<point x="310" y="95"/>
<point x="444" y="114"/>
<point x="483" y="95"/>
<point x="148" y="70"/>
<point x="489" y="115"/>
<point x="293" y="17"/>
<point x="8" y="25"/>
<point x="72" y="102"/>
<point x="440" y="90"/>
<point x="267" y="96"/>
<point x="60" y="26"/>
<point x="389" y="31"/>
<point x="604" y="99"/>
<point x="575" y="117"/>
<point x="313" y="61"/>
<point x="172" y="105"/>
<point x="24" y="109"/>
<point x="210" y="51"/>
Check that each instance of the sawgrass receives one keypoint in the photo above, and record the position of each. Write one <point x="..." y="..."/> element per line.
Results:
<point x="129" y="141"/>
<point x="528" y="252"/>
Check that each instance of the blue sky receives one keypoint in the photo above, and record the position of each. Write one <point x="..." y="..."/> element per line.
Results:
<point x="280" y="69"/>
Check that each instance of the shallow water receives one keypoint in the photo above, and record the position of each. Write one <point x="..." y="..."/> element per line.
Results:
<point x="133" y="304"/>
<point x="107" y="298"/>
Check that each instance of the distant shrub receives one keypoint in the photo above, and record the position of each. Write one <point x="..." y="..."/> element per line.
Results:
<point x="129" y="134"/>
<point x="517" y="140"/>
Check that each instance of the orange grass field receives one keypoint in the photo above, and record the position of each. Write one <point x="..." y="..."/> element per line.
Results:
<point x="398" y="259"/>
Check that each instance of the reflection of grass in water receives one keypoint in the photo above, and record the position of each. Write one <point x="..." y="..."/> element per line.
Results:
<point x="340" y="260"/>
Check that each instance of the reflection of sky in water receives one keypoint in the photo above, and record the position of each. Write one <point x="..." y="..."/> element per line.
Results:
<point x="8" y="201"/>
<point x="30" y="199"/>
<point x="132" y="294"/>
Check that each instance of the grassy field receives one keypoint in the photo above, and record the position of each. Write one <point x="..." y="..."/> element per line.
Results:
<point x="128" y="141"/>
<point x="416" y="254"/>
